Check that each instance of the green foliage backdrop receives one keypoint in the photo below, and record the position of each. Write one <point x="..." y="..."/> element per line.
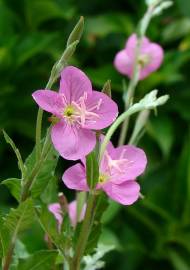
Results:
<point x="154" y="233"/>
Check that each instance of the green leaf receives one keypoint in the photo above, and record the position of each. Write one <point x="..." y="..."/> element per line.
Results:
<point x="17" y="153"/>
<point x="46" y="173"/>
<point x="41" y="260"/>
<point x="49" y="224"/>
<point x="19" y="219"/>
<point x="92" y="170"/>
<point x="50" y="192"/>
<point x="60" y="237"/>
<point x="5" y="237"/>
<point x="14" y="186"/>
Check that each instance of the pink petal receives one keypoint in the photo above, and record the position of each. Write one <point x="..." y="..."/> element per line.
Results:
<point x="73" y="213"/>
<point x="126" y="193"/>
<point x="123" y="63"/>
<point x="55" y="209"/>
<point x="49" y="101"/>
<point x="75" y="177"/>
<point x="74" y="83"/>
<point x="110" y="149"/>
<point x="135" y="164"/>
<point x="156" y="55"/>
<point x="72" y="142"/>
<point x="131" y="45"/>
<point x="124" y="60"/>
<point x="104" y="108"/>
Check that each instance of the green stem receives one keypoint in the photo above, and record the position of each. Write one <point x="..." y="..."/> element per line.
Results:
<point x="8" y="258"/>
<point x="85" y="231"/>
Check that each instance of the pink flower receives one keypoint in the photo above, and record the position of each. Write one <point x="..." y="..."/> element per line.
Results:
<point x="118" y="170"/>
<point x="150" y="58"/>
<point x="79" y="110"/>
<point x="55" y="209"/>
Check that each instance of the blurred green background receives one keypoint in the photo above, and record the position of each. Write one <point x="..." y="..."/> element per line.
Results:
<point x="155" y="232"/>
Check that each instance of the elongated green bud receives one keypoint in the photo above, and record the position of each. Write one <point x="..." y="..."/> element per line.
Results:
<point x="62" y="62"/>
<point x="68" y="53"/>
<point x="77" y="32"/>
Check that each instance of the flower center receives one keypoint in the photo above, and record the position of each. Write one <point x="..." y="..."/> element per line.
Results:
<point x="69" y="111"/>
<point x="78" y="113"/>
<point x="143" y="60"/>
<point x="102" y="178"/>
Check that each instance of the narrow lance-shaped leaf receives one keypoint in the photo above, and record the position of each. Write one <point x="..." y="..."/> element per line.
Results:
<point x="92" y="170"/>
<point x="49" y="224"/>
<point x="17" y="153"/>
<point x="5" y="237"/>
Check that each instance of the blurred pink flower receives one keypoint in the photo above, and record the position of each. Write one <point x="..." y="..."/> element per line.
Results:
<point x="55" y="209"/>
<point x="150" y="58"/>
<point x="118" y="170"/>
<point x="79" y="110"/>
